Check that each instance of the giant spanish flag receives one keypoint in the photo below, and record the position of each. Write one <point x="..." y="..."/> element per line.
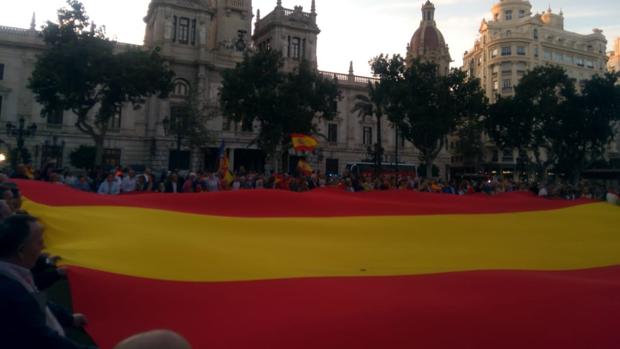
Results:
<point x="335" y="270"/>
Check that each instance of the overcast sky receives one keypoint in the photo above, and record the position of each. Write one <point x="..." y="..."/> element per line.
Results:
<point x="352" y="30"/>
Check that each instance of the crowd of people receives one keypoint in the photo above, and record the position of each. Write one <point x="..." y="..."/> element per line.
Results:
<point x="126" y="180"/>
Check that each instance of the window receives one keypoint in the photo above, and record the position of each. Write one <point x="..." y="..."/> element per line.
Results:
<point x="521" y="50"/>
<point x="495" y="69"/>
<point x="589" y="64"/>
<point x="536" y="52"/>
<point x="521" y="67"/>
<point x="174" y="28"/>
<point x="115" y="121"/>
<point x="557" y="56"/>
<point x="521" y="13"/>
<point x="367" y="137"/>
<point x="495" y="85"/>
<point x="506" y="85"/>
<point x="568" y="59"/>
<point x="507" y="156"/>
<point x="184" y="30"/>
<point x="579" y="62"/>
<point x="547" y="55"/>
<point x="1" y="71"/>
<point x="508" y="15"/>
<point x="193" y="32"/>
<point x="178" y="116"/>
<point x="506" y="51"/>
<point x="112" y="157"/>
<point x="535" y="34"/>
<point x="494" y="53"/>
<point x="506" y="68"/>
<point x="294" y="47"/>
<point x="181" y="88"/>
<point x="331" y="167"/>
<point x="0" y="106"/>
<point x="55" y="119"/>
<point x="332" y="133"/>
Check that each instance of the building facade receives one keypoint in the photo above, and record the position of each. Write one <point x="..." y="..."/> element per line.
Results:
<point x="613" y="64"/>
<point x="200" y="39"/>
<point x="516" y="40"/>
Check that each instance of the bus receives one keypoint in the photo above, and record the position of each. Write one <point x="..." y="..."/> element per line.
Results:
<point x="368" y="168"/>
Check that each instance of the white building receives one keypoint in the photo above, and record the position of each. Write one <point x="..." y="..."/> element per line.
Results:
<point x="516" y="40"/>
<point x="200" y="39"/>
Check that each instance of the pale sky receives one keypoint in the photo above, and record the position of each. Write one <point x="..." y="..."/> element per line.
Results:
<point x="352" y="30"/>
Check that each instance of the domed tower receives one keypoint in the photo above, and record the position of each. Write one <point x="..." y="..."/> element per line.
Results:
<point x="428" y="44"/>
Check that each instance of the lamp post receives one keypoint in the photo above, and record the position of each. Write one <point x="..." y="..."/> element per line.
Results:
<point x="173" y="126"/>
<point x="21" y="132"/>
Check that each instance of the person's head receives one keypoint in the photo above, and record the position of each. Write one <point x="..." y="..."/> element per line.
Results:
<point x="153" y="340"/>
<point x="21" y="240"/>
<point x="110" y="178"/>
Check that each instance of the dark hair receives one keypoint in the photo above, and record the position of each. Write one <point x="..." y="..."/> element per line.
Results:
<point x="14" y="230"/>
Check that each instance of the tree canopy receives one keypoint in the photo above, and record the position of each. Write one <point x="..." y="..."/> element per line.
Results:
<point x="426" y="106"/>
<point x="281" y="103"/>
<point x="556" y="125"/>
<point x="81" y="72"/>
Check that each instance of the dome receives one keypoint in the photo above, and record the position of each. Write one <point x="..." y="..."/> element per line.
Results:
<point x="425" y="39"/>
<point x="427" y="42"/>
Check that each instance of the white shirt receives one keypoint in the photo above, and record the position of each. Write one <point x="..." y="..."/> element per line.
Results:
<point x="129" y="184"/>
<point x="24" y="277"/>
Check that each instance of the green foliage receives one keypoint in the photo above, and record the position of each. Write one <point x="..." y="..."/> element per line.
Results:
<point x="79" y="71"/>
<point x="83" y="157"/>
<point x="191" y="121"/>
<point x="281" y="103"/>
<point x="553" y="123"/>
<point x="426" y="106"/>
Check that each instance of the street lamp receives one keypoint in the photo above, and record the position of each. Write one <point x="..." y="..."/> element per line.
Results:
<point x="21" y="132"/>
<point x="170" y="127"/>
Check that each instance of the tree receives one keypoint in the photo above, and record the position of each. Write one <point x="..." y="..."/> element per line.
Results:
<point x="377" y="100"/>
<point x="553" y="123"/>
<point x="427" y="107"/>
<point x="79" y="71"/>
<point x="370" y="105"/>
<point x="83" y="157"/>
<point x="188" y="122"/>
<point x="258" y="91"/>
<point x="587" y="126"/>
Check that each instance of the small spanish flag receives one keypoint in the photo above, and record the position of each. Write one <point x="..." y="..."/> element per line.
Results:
<point x="304" y="167"/>
<point x="303" y="142"/>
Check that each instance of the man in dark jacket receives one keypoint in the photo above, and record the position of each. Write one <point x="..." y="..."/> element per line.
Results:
<point x="26" y="321"/>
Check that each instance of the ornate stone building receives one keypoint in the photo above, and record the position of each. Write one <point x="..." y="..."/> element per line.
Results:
<point x="514" y="41"/>
<point x="427" y="43"/>
<point x="200" y="39"/>
<point x="614" y="57"/>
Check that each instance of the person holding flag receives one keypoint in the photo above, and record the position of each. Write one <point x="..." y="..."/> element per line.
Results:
<point x="224" y="168"/>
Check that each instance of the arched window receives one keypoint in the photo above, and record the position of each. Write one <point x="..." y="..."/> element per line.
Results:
<point x="181" y="88"/>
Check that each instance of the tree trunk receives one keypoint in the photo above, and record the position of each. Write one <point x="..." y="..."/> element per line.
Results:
<point x="429" y="168"/>
<point x="98" y="150"/>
